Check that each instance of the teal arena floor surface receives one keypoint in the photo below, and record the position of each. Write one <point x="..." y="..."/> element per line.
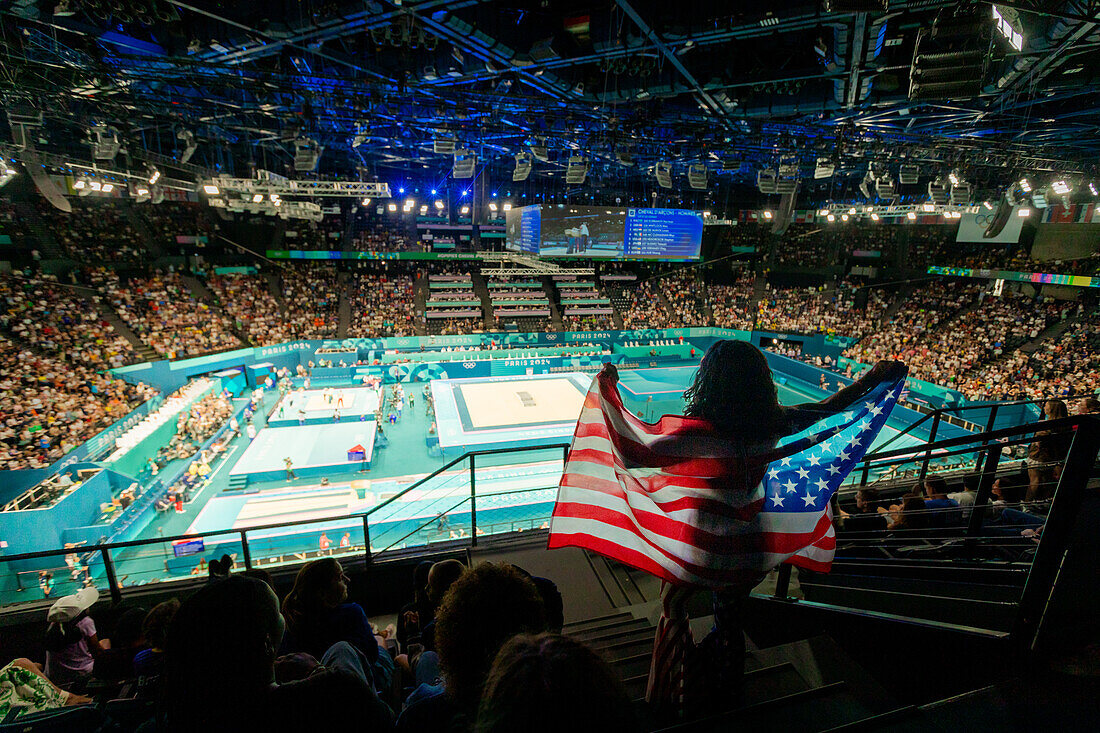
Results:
<point x="514" y="492"/>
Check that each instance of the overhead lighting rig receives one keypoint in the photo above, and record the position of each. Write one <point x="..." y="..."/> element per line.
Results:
<point x="270" y="184"/>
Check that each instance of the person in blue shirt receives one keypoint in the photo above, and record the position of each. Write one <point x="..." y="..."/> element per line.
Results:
<point x="318" y="615"/>
<point x="935" y="493"/>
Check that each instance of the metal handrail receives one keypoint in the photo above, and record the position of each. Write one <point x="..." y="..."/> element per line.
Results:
<point x="278" y="525"/>
<point x="900" y="455"/>
<point x="939" y="412"/>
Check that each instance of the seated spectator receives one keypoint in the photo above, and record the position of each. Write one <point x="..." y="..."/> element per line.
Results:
<point x="220" y="671"/>
<point x="1088" y="406"/>
<point x="1045" y="455"/>
<point x="318" y="615"/>
<point x="866" y="517"/>
<point x="968" y="495"/>
<point x="419" y="610"/>
<point x="71" y="641"/>
<point x="24" y="687"/>
<point x="117" y="663"/>
<point x="551" y="683"/>
<point x="482" y="610"/>
<point x="935" y="492"/>
<point x="149" y="663"/>
<point x="910" y="514"/>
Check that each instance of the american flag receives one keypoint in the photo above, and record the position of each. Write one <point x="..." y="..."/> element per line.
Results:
<point x="679" y="501"/>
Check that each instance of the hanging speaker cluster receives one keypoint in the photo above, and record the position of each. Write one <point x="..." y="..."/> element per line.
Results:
<point x="663" y="173"/>
<point x="577" y="170"/>
<point x="465" y="164"/>
<point x="697" y="176"/>
<point x="523" y="167"/>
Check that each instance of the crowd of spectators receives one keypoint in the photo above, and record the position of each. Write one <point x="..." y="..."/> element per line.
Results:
<point x="821" y="310"/>
<point x="256" y="312"/>
<point x="326" y="234"/>
<point x="947" y="333"/>
<point x="602" y="322"/>
<point x="733" y="306"/>
<point x="170" y="219"/>
<point x="647" y="309"/>
<point x="1016" y="258"/>
<point x="477" y="648"/>
<point x="312" y="299"/>
<point x="15" y="228"/>
<point x="374" y="235"/>
<point x="382" y="304"/>
<point x="164" y="314"/>
<point x="55" y="319"/>
<point x="1067" y="365"/>
<point x="929" y="244"/>
<point x="94" y="232"/>
<point x="48" y="406"/>
<point x="800" y="247"/>
<point x="455" y="326"/>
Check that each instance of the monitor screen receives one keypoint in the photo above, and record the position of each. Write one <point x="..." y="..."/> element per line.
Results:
<point x="663" y="234"/>
<point x="582" y="231"/>
<point x="522" y="229"/>
<point x="597" y="232"/>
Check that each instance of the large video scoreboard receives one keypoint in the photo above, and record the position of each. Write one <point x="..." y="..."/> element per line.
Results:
<point x="596" y="232"/>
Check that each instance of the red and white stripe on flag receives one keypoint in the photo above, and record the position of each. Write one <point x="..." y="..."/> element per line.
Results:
<point x="681" y="502"/>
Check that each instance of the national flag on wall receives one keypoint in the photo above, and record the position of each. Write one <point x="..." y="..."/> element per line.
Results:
<point x="661" y="497"/>
<point x="1072" y="214"/>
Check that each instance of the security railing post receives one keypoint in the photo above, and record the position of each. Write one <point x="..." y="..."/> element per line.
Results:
<point x="931" y="439"/>
<point x="985" y="490"/>
<point x="366" y="538"/>
<point x="109" y="570"/>
<point x="989" y="423"/>
<point x="245" y="551"/>
<point x="473" y="502"/>
<point x="866" y="473"/>
<point x="783" y="582"/>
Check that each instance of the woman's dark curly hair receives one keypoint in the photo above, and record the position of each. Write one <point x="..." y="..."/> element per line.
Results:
<point x="733" y="390"/>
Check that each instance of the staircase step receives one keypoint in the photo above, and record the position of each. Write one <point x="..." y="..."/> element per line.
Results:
<point x="612" y="632"/>
<point x="597" y="622"/>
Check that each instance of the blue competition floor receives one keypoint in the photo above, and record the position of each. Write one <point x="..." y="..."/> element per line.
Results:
<point x="315" y="450"/>
<point x="316" y="407"/>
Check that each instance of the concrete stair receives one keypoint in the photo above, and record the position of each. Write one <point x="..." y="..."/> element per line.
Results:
<point x="1048" y="334"/>
<point x="555" y="307"/>
<point x="45" y="241"/>
<point x="421" y="293"/>
<point x="623" y="586"/>
<point x="144" y="351"/>
<point x="808" y="685"/>
<point x="481" y="289"/>
<point x="202" y="293"/>
<point x="343" y="322"/>
<point x="139" y="225"/>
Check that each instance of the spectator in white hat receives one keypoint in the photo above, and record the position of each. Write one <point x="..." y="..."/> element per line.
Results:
<point x="71" y="641"/>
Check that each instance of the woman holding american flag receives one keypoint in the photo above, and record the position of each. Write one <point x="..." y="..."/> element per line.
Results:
<point x="714" y="499"/>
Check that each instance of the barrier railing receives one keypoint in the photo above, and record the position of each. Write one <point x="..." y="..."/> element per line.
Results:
<point x="478" y="493"/>
<point x="513" y="489"/>
<point x="951" y="415"/>
<point x="987" y="563"/>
